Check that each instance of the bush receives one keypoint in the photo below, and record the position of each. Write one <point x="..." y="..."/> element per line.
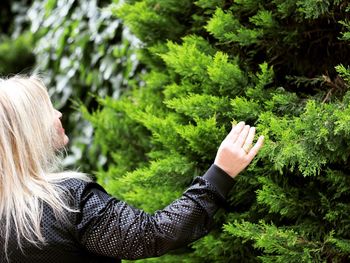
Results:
<point x="280" y="65"/>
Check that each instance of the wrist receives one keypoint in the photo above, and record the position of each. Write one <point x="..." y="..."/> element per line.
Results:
<point x="227" y="170"/>
<point x="221" y="180"/>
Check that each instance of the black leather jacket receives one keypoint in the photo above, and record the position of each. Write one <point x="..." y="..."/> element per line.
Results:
<point x="108" y="230"/>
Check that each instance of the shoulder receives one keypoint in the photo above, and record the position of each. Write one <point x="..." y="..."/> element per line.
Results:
<point x="80" y="189"/>
<point x="90" y="200"/>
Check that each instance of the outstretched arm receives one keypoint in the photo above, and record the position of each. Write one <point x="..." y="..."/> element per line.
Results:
<point x="112" y="228"/>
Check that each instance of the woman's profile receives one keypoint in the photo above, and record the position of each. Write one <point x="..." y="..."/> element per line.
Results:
<point x="47" y="215"/>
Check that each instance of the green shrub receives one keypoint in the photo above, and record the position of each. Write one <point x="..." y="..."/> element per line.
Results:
<point x="280" y="65"/>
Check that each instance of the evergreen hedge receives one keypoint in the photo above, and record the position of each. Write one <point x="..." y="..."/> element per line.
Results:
<point x="280" y="65"/>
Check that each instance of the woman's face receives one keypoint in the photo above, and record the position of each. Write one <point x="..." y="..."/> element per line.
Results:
<point x="61" y="138"/>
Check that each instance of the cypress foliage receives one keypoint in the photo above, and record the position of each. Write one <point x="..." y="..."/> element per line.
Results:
<point x="280" y="65"/>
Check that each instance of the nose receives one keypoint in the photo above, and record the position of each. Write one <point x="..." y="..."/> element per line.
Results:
<point x="59" y="114"/>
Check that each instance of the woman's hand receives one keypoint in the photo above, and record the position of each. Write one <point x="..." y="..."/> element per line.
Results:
<point x="236" y="151"/>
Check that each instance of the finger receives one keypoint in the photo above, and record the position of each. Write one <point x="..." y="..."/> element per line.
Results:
<point x="242" y="136"/>
<point x="256" y="148"/>
<point x="235" y="131"/>
<point x="249" y="139"/>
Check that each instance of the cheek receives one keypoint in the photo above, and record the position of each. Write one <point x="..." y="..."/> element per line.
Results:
<point x="60" y="138"/>
<point x="56" y="123"/>
<point x="58" y="126"/>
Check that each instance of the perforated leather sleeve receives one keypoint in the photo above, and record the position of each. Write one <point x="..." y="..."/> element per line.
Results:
<point x="107" y="230"/>
<point x="112" y="228"/>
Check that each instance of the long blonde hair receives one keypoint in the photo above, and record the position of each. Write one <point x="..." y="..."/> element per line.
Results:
<point x="29" y="161"/>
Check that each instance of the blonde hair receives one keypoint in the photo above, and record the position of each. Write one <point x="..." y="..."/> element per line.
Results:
<point x="29" y="161"/>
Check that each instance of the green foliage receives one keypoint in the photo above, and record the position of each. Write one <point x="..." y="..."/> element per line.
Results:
<point x="313" y="9"/>
<point x="16" y="43"/>
<point x="16" y="54"/>
<point x="150" y="19"/>
<point x="277" y="244"/>
<point x="221" y="24"/>
<point x="82" y="52"/>
<point x="280" y="65"/>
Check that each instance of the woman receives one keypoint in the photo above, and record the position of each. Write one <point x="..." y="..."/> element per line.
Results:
<point x="46" y="216"/>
